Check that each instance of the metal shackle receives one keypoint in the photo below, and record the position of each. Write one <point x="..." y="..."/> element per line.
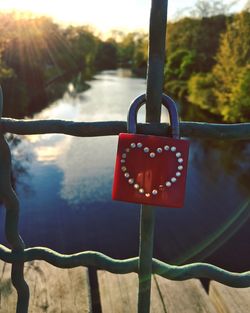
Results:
<point x="168" y="103"/>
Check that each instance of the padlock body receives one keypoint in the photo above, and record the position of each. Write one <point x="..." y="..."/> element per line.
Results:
<point x="151" y="170"/>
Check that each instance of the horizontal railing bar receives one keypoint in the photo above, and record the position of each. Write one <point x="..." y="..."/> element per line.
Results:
<point x="94" y="129"/>
<point x="104" y="262"/>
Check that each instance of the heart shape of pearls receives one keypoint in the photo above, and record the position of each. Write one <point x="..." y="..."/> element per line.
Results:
<point x="151" y="154"/>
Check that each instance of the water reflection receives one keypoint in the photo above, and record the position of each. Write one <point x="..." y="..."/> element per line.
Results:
<point x="107" y="99"/>
<point x="70" y="207"/>
<point x="87" y="165"/>
<point x="20" y="163"/>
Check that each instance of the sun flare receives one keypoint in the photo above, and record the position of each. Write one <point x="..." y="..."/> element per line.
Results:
<point x="103" y="15"/>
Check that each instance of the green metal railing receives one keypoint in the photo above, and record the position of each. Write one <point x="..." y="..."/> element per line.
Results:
<point x="144" y="265"/>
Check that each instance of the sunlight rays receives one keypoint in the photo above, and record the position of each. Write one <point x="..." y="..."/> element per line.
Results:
<point x="103" y="15"/>
<point x="37" y="42"/>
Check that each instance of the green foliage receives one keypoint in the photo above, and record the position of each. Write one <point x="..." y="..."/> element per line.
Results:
<point x="107" y="55"/>
<point x="82" y="48"/>
<point x="238" y="109"/>
<point x="34" y="53"/>
<point x="5" y="72"/>
<point x="180" y="65"/>
<point x="38" y="58"/>
<point x="208" y="8"/>
<point x="201" y="93"/>
<point x="133" y="51"/>
<point x="208" y="65"/>
<point x="200" y="36"/>
<point x="231" y="73"/>
<point x="191" y="47"/>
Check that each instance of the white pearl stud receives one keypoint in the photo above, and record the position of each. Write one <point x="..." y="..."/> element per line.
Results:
<point x="159" y="150"/>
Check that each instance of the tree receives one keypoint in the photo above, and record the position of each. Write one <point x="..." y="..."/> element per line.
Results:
<point x="199" y="35"/>
<point x="225" y="91"/>
<point x="132" y="50"/>
<point x="231" y="73"/>
<point x="201" y="93"/>
<point x="191" y="48"/>
<point x="106" y="57"/>
<point x="179" y="67"/>
<point x="35" y="51"/>
<point x="5" y="70"/>
<point x="247" y="6"/>
<point x="83" y="46"/>
<point x="208" y="8"/>
<point x="240" y="107"/>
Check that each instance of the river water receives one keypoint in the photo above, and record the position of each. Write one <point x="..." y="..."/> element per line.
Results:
<point x="64" y="185"/>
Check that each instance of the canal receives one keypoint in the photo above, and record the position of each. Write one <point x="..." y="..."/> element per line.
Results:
<point x="64" y="185"/>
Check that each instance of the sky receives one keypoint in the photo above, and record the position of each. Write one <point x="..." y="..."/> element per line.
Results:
<point x="104" y="15"/>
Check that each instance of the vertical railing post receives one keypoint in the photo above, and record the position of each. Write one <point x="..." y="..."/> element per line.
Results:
<point x="156" y="60"/>
<point x="11" y="204"/>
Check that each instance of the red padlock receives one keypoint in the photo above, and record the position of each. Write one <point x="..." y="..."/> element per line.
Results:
<point x="151" y="169"/>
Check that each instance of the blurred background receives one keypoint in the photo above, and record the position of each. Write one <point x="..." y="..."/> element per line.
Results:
<point x="86" y="62"/>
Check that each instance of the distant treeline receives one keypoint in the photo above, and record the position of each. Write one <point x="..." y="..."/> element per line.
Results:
<point x="208" y="65"/>
<point x="39" y="57"/>
<point x="207" y="62"/>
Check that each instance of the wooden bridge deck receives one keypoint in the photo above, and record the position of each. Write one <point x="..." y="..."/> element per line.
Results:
<point x="56" y="290"/>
